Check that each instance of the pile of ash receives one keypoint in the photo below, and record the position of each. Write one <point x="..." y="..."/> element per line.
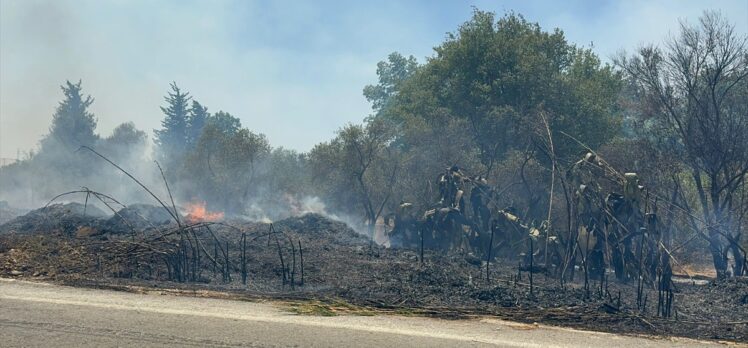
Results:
<point x="137" y="217"/>
<point x="81" y="220"/>
<point x="7" y="212"/>
<point x="318" y="226"/>
<point x="67" y="218"/>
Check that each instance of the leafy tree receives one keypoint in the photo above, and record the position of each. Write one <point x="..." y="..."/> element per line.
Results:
<point x="500" y="76"/>
<point x="222" y="169"/>
<point x="359" y="157"/>
<point x="225" y="122"/>
<point x="127" y="135"/>
<point x="125" y="144"/>
<point x="392" y="73"/>
<point x="286" y="173"/>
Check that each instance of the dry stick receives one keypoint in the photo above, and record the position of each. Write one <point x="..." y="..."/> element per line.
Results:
<point x="98" y="196"/>
<point x="280" y="255"/>
<point x="585" y="260"/>
<point x="136" y="181"/>
<point x="519" y="271"/>
<point x="532" y="256"/>
<point x="180" y="259"/>
<point x="178" y="262"/>
<point x="553" y="181"/>
<point x="660" y="312"/>
<point x="488" y="258"/>
<point x="228" y="269"/>
<point x="215" y="258"/>
<point x="188" y="264"/>
<point x="618" y="303"/>
<point x="244" y="258"/>
<point x="117" y="213"/>
<point x="196" y="255"/>
<point x="283" y="264"/>
<point x="670" y="304"/>
<point x="85" y="204"/>
<point x="301" y="256"/>
<point x="166" y="183"/>
<point x="198" y="266"/>
<point x="215" y="238"/>
<point x="639" y="285"/>
<point x="196" y="260"/>
<point x="569" y="209"/>
<point x="421" y="232"/>
<point x="293" y="268"/>
<point x="670" y="255"/>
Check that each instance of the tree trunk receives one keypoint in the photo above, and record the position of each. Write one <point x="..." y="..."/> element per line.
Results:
<point x="715" y="243"/>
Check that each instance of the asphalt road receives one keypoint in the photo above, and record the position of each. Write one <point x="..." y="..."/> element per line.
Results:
<point x="44" y="315"/>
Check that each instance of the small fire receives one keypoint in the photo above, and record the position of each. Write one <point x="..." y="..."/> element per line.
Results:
<point x="197" y="212"/>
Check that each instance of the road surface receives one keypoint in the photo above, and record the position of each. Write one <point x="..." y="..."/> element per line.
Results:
<point x="44" y="315"/>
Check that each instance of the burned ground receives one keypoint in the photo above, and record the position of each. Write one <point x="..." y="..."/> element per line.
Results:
<point x="341" y="265"/>
<point x="7" y="212"/>
<point x="65" y="218"/>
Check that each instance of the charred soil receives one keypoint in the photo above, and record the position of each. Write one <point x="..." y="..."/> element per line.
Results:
<point x="314" y="258"/>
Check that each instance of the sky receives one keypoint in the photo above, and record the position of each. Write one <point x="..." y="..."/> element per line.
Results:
<point x="293" y="70"/>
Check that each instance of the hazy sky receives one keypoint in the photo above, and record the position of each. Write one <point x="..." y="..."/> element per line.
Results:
<point x="290" y="69"/>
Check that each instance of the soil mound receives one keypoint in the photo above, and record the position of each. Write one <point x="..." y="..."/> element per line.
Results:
<point x="67" y="218"/>
<point x="138" y="217"/>
<point x="318" y="226"/>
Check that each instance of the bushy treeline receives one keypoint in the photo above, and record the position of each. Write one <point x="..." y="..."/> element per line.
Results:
<point x="210" y="157"/>
<point x="58" y="165"/>
<point x="502" y="99"/>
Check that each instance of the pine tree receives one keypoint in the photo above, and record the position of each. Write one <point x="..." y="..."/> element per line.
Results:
<point x="171" y="140"/>
<point x="197" y="119"/>
<point x="72" y="124"/>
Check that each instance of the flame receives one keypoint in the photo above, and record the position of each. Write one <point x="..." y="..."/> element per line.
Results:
<point x="197" y="212"/>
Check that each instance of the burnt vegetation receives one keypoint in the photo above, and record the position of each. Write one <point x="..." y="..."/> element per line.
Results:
<point x="511" y="174"/>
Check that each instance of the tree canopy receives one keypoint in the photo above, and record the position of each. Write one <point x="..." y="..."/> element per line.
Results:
<point x="499" y="75"/>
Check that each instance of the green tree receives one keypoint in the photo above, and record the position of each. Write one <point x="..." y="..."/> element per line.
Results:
<point x="500" y="76"/>
<point x="286" y="173"/>
<point x="196" y="121"/>
<point x="223" y="166"/>
<point x="225" y="122"/>
<point x="171" y="139"/>
<point x="357" y="169"/>
<point x="126" y="141"/>
<point x="72" y="124"/>
<point x="392" y="73"/>
<point x="127" y="135"/>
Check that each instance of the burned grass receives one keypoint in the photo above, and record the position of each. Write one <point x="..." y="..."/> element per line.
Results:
<point x="329" y="269"/>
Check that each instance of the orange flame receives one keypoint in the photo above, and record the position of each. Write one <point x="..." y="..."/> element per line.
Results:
<point x="197" y="212"/>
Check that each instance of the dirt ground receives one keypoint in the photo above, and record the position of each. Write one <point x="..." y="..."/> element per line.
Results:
<point x="343" y="269"/>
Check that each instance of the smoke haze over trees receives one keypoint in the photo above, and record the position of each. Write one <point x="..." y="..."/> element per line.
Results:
<point x="501" y="98"/>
